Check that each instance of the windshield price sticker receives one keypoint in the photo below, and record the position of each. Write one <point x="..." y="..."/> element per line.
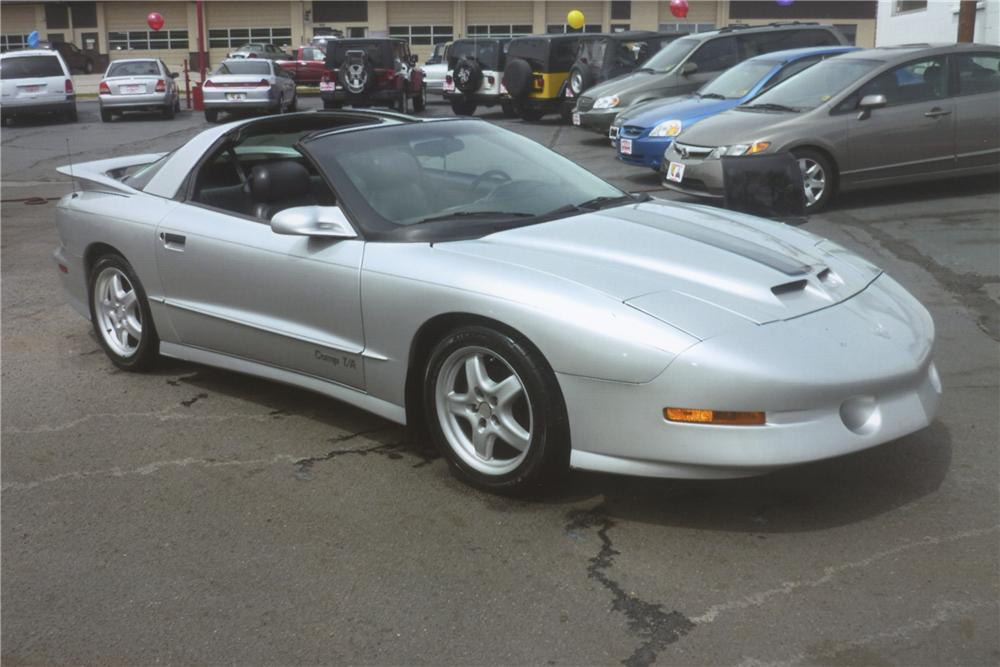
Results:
<point x="675" y="172"/>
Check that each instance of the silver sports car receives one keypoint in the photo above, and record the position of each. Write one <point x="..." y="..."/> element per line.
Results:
<point x="533" y="317"/>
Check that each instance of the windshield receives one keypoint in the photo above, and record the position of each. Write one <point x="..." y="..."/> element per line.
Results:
<point x="671" y="55"/>
<point x="23" y="67"/>
<point x="466" y="170"/>
<point x="818" y="85"/>
<point x="738" y="81"/>
<point x="139" y="68"/>
<point x="244" y="67"/>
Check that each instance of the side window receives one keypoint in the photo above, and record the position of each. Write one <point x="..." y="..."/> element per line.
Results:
<point x="716" y="55"/>
<point x="978" y="73"/>
<point x="791" y="69"/>
<point x="910" y="83"/>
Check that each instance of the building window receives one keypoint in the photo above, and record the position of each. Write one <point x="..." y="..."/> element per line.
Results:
<point x="148" y="39"/>
<point x="621" y="9"/>
<point x="234" y="38"/>
<point x="344" y="11"/>
<point x="418" y="35"/>
<point x="556" y="28"/>
<point x="689" y="28"/>
<point x="84" y="14"/>
<point x="910" y="6"/>
<point x="56" y="16"/>
<point x="13" y="43"/>
<point x="504" y="30"/>
<point x="848" y="30"/>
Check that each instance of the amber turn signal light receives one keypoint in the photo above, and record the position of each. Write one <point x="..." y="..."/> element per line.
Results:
<point x="722" y="417"/>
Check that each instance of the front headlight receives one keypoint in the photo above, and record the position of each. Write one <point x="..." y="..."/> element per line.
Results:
<point x="741" y="149"/>
<point x="609" y="102"/>
<point x="670" y="128"/>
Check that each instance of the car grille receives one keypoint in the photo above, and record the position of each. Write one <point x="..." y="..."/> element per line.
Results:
<point x="585" y="103"/>
<point x="687" y="150"/>
<point x="631" y="131"/>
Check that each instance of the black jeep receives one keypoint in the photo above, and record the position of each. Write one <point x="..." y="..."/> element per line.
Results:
<point x="612" y="55"/>
<point x="372" y="72"/>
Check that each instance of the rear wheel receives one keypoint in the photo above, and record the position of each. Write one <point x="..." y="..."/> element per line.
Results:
<point x="330" y="104"/>
<point x="106" y="116"/>
<point x="401" y="102"/>
<point x="212" y="115"/>
<point x="169" y="111"/>
<point x="463" y="107"/>
<point x="120" y="314"/>
<point x="420" y="101"/>
<point x="819" y="179"/>
<point x="532" y="114"/>
<point x="294" y="106"/>
<point x="71" y="115"/>
<point x="495" y="410"/>
<point x="509" y="111"/>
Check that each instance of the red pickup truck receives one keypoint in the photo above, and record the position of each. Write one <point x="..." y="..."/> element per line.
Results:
<point x="307" y="65"/>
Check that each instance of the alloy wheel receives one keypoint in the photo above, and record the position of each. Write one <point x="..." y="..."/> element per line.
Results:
<point x="119" y="317"/>
<point x="813" y="180"/>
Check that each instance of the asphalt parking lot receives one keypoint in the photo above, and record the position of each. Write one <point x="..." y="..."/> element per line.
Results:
<point x="196" y="516"/>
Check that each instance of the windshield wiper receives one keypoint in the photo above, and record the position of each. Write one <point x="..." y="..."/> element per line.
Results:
<point x="598" y="203"/>
<point x="473" y="214"/>
<point x="767" y="106"/>
<point x="712" y="96"/>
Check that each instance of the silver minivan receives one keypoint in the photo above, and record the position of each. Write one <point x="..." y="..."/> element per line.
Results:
<point x="36" y="81"/>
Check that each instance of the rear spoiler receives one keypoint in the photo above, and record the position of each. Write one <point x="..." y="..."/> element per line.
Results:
<point x="106" y="175"/>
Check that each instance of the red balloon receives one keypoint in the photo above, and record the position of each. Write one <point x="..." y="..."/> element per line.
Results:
<point x="154" y="20"/>
<point x="679" y="8"/>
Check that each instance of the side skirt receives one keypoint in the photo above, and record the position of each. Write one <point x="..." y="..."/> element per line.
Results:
<point x="359" y="399"/>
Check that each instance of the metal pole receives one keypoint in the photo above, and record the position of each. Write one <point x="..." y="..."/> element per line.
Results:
<point x="187" y="85"/>
<point x="201" y="40"/>
<point x="967" y="21"/>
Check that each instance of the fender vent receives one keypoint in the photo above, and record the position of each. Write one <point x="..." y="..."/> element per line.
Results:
<point x="786" y="288"/>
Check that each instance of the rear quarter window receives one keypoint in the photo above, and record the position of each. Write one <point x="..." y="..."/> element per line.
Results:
<point x="30" y="67"/>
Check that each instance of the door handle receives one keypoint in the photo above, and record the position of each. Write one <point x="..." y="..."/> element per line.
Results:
<point x="173" y="241"/>
<point x="935" y="112"/>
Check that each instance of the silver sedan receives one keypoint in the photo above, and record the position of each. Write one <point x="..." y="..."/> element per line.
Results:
<point x="138" y="84"/>
<point x="533" y="317"/>
<point x="250" y="84"/>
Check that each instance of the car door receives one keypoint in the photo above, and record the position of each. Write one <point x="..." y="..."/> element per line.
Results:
<point x="977" y="122"/>
<point x="914" y="134"/>
<point x="231" y="285"/>
<point x="312" y="64"/>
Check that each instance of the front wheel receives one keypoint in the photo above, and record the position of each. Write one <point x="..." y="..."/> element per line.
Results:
<point x="120" y="314"/>
<point x="819" y="179"/>
<point x="495" y="410"/>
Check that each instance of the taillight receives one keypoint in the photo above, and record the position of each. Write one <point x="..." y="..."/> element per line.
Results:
<point x="384" y="75"/>
<point x="263" y="83"/>
<point x="69" y="86"/>
<point x="538" y="81"/>
<point x="252" y="55"/>
<point x="161" y="86"/>
<point x="104" y="88"/>
<point x="209" y="84"/>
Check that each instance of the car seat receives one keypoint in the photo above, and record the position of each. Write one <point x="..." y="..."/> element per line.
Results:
<point x="276" y="186"/>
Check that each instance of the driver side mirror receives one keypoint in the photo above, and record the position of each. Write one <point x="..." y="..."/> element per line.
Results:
<point x="319" y="221"/>
<point x="689" y="68"/>
<point x="869" y="102"/>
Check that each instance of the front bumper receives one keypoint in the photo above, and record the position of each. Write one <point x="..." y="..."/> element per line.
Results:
<point x="598" y="120"/>
<point x="702" y="176"/>
<point x="146" y="101"/>
<point x="646" y="151"/>
<point x="833" y="382"/>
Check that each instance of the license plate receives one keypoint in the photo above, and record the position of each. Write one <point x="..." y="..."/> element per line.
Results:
<point x="675" y="172"/>
<point x="134" y="89"/>
<point x="576" y="119"/>
<point x="236" y="96"/>
<point x="625" y="145"/>
<point x="32" y="89"/>
<point x="327" y="86"/>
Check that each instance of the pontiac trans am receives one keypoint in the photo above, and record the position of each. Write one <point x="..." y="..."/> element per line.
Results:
<point x="531" y="316"/>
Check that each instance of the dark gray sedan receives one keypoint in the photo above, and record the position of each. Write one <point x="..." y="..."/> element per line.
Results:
<point x="874" y="117"/>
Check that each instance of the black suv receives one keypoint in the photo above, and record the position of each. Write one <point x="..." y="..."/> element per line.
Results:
<point x="613" y="55"/>
<point x="475" y="68"/>
<point x="690" y="62"/>
<point x="372" y="72"/>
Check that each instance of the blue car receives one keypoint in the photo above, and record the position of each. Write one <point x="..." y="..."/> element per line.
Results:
<point x="641" y="134"/>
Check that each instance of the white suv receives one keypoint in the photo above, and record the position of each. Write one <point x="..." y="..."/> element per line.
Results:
<point x="475" y="67"/>
<point x="36" y="81"/>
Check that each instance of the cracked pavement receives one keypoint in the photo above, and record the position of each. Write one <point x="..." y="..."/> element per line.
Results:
<point x="196" y="516"/>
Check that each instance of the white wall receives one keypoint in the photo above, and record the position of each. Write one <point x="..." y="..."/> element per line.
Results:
<point x="936" y="24"/>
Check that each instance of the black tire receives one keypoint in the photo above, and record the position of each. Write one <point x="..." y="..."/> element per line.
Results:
<point x="547" y="452"/>
<point x="169" y="111"/>
<point x="566" y="113"/>
<point x="580" y="77"/>
<point x="212" y="115"/>
<point x="177" y="104"/>
<point x="508" y="109"/>
<point x="517" y="77"/>
<point x="330" y="104"/>
<point x="463" y="107"/>
<point x="468" y="75"/>
<point x="401" y="102"/>
<point x="420" y="99"/>
<point x="532" y="115"/>
<point x="811" y="156"/>
<point x="72" y="116"/>
<point x="294" y="106"/>
<point x="148" y="347"/>
<point x="279" y="108"/>
<point x="106" y="116"/>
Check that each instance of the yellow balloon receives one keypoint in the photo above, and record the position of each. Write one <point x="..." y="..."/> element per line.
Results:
<point x="575" y="19"/>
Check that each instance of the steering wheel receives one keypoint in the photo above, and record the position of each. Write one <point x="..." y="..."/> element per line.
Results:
<point x="490" y="173"/>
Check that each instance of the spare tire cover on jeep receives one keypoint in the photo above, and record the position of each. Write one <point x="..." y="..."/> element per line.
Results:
<point x="356" y="74"/>
<point x="517" y="77"/>
<point x="468" y="75"/>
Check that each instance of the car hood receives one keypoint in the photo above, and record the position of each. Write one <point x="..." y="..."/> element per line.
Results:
<point x="628" y="85"/>
<point x="687" y="108"/>
<point x="700" y="269"/>
<point x="737" y="126"/>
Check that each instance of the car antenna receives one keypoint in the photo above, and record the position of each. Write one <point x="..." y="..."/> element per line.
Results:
<point x="69" y="156"/>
